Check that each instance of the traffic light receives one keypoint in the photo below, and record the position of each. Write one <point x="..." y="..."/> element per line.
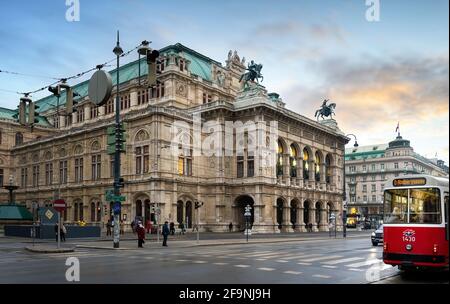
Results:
<point x="151" y="63"/>
<point x="70" y="103"/>
<point x="55" y="90"/>
<point x="121" y="183"/>
<point x="22" y="111"/>
<point x="116" y="138"/>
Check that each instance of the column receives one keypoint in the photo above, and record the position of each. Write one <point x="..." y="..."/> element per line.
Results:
<point x="312" y="217"/>
<point x="286" y="171"/>
<point x="300" y="171"/>
<point x="287" y="225"/>
<point x="323" y="176"/>
<point x="323" y="220"/>
<point x="300" y="225"/>
<point x="312" y="173"/>
<point x="87" y="112"/>
<point x="133" y="98"/>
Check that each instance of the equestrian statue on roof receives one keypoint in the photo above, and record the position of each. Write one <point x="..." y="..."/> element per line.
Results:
<point x="253" y="73"/>
<point x="326" y="110"/>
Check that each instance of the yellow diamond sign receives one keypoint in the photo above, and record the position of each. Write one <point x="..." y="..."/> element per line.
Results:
<point x="49" y="214"/>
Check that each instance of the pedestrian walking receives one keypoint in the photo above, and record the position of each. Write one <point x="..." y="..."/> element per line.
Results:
<point x="165" y="233"/>
<point x="63" y="232"/>
<point x="172" y="228"/>
<point x="56" y="231"/>
<point x="181" y="226"/>
<point x="141" y="234"/>
<point x="230" y="227"/>
<point x="108" y="227"/>
<point x="121" y="227"/>
<point x="148" y="226"/>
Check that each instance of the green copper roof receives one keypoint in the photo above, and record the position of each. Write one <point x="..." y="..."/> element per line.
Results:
<point x="200" y="65"/>
<point x="126" y="73"/>
<point x="14" y="212"/>
<point x="373" y="151"/>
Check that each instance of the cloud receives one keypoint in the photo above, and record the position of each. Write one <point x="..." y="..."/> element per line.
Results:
<point x="374" y="93"/>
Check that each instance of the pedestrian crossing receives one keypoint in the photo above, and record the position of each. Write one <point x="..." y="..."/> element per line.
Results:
<point x="293" y="262"/>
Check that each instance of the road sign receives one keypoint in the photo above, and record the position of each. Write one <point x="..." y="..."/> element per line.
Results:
<point x="116" y="208"/>
<point x="59" y="205"/>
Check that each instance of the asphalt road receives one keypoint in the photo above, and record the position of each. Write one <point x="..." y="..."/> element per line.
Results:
<point x="333" y="261"/>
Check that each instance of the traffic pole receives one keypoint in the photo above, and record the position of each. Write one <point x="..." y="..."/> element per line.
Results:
<point x="59" y="228"/>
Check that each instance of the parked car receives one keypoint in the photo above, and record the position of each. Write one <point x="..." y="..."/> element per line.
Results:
<point x="377" y="236"/>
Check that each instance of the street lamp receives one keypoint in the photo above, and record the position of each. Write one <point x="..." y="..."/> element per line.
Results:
<point x="344" y="209"/>
<point x="197" y="207"/>
<point x="118" y="52"/>
<point x="247" y="215"/>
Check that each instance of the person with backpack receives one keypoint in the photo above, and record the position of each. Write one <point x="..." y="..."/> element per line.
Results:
<point x="165" y="233"/>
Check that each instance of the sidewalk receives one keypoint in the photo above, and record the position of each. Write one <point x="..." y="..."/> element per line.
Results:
<point x="129" y="240"/>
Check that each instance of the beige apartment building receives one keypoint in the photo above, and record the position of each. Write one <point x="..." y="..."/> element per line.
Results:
<point x="369" y="167"/>
<point x="294" y="177"/>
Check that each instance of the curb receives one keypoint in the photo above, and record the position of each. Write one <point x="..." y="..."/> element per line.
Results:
<point x="49" y="250"/>
<point x="229" y="243"/>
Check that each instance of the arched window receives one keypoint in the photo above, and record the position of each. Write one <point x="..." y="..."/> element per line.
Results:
<point x="93" y="211"/>
<point x="75" y="212"/>
<point x="317" y="162"/>
<point x="280" y="159"/>
<point x="19" y="138"/>
<point x="328" y="169"/>
<point x="293" y="161"/>
<point x="305" y="164"/>
<point x="99" y="212"/>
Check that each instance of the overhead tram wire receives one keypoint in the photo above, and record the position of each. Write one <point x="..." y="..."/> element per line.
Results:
<point x="28" y="75"/>
<point x="58" y="80"/>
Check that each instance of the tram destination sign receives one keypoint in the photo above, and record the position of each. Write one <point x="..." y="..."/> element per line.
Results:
<point x="402" y="182"/>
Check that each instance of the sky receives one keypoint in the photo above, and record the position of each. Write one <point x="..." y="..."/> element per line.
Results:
<point x="378" y="73"/>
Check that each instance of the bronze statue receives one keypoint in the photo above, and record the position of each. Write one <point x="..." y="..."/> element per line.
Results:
<point x="254" y="72"/>
<point x="326" y="110"/>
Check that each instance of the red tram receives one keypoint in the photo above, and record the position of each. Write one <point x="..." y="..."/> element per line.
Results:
<point x="416" y="222"/>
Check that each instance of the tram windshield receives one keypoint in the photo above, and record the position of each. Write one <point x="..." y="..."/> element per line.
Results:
<point x="414" y="206"/>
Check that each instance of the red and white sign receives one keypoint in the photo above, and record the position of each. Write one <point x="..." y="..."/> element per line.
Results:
<point x="59" y="205"/>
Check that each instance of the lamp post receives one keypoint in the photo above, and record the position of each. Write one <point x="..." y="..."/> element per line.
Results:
<point x="247" y="215"/>
<point x="118" y="52"/>
<point x="344" y="209"/>
<point x="197" y="207"/>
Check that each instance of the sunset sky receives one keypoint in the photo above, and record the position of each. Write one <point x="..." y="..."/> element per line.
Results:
<point x="378" y="73"/>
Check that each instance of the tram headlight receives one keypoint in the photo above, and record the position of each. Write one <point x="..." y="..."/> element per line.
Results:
<point x="409" y="247"/>
<point x="435" y="248"/>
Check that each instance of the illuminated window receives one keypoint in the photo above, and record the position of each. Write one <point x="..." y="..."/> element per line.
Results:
<point x="328" y="169"/>
<point x="293" y="161"/>
<point x="279" y="159"/>
<point x="305" y="164"/>
<point x="317" y="163"/>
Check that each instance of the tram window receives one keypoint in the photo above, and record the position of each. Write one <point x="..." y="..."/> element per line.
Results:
<point x="396" y="206"/>
<point x="424" y="206"/>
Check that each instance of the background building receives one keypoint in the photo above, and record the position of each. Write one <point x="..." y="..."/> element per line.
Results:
<point x="66" y="155"/>
<point x="369" y="167"/>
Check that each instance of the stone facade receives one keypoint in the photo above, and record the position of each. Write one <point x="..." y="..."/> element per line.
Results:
<point x="66" y="156"/>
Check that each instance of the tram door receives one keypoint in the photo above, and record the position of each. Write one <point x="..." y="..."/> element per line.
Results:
<point x="446" y="215"/>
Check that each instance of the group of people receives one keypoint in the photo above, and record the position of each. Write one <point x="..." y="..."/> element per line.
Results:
<point x="140" y="230"/>
<point x="110" y="226"/>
